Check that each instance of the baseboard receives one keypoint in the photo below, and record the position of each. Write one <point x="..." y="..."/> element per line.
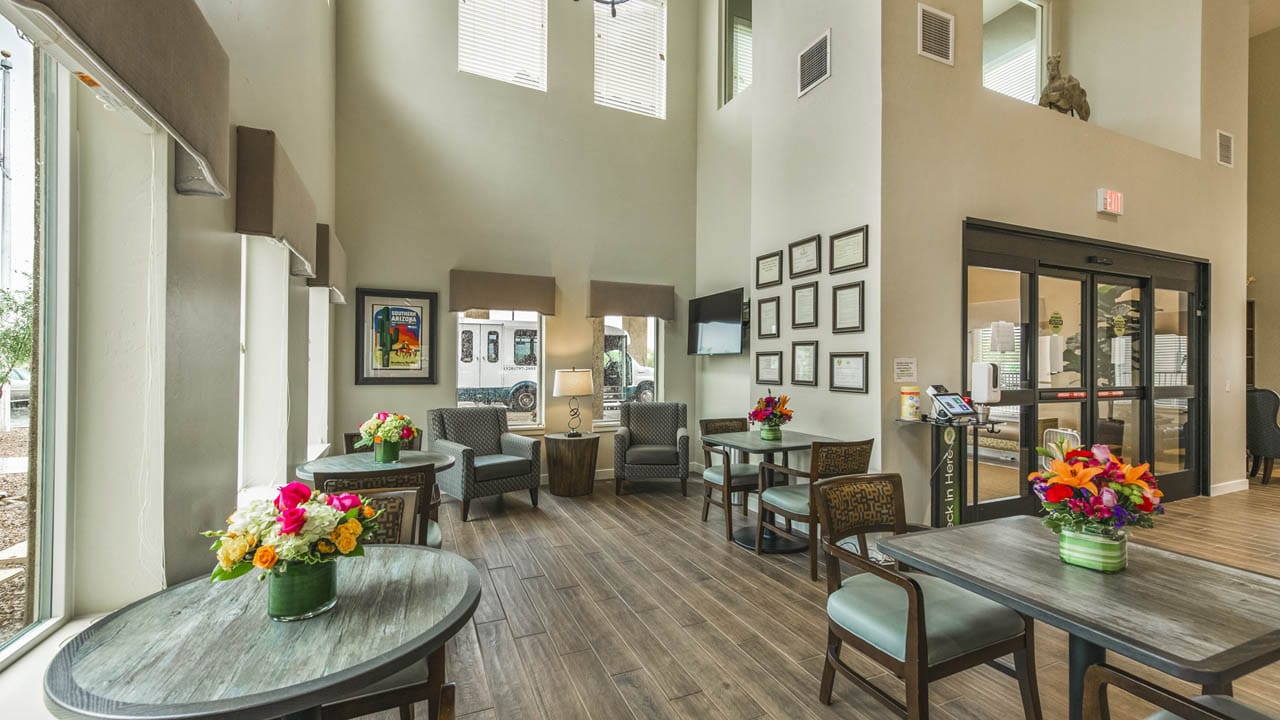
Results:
<point x="1230" y="486"/>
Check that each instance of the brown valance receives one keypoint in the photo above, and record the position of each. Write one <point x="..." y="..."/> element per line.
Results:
<point x="471" y="290"/>
<point x="631" y="300"/>
<point x="158" y="57"/>
<point x="271" y="200"/>
<point x="331" y="265"/>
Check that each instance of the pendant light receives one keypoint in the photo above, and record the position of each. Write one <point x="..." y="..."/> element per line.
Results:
<point x="613" y="5"/>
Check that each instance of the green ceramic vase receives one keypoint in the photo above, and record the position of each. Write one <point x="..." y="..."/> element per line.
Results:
<point x="386" y="452"/>
<point x="1096" y="552"/>
<point x="299" y="591"/>
<point x="771" y="432"/>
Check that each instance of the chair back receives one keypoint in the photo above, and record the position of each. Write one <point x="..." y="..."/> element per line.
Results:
<point x="400" y="508"/>
<point x="350" y="439"/>
<point x="859" y="504"/>
<point x="715" y="426"/>
<point x="358" y="482"/>
<point x="1262" y="435"/>
<point x="653" y="423"/>
<point x="831" y="459"/>
<point x="479" y="428"/>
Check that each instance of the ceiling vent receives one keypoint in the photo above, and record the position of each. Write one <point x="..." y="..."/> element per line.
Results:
<point x="1226" y="149"/>
<point x="936" y="35"/>
<point x="814" y="64"/>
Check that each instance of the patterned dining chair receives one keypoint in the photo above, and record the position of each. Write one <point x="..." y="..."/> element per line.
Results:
<point x="1172" y="705"/>
<point x="425" y="518"/>
<point x="350" y="439"/>
<point x="918" y="627"/>
<point x="741" y="476"/>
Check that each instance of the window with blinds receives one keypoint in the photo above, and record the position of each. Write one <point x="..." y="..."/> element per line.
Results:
<point x="505" y="40"/>
<point x="1017" y="74"/>
<point x="741" y="55"/>
<point x="631" y="57"/>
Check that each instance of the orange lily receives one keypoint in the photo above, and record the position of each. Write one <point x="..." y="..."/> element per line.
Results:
<point x="1076" y="476"/>
<point x="1133" y="475"/>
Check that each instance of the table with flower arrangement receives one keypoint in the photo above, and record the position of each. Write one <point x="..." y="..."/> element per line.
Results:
<point x="363" y="462"/>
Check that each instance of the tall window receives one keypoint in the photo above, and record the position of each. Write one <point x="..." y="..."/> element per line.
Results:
<point x="627" y="349"/>
<point x="735" y="57"/>
<point x="631" y="57"/>
<point x="505" y="369"/>
<point x="505" y="40"/>
<point x="1013" y="47"/>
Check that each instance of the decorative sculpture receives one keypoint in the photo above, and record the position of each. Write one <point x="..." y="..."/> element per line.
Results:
<point x="1064" y="94"/>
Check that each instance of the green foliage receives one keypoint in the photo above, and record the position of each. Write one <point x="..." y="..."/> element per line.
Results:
<point x="240" y="568"/>
<point x="17" y="316"/>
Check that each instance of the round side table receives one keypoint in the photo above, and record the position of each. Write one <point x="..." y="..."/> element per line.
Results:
<point x="571" y="463"/>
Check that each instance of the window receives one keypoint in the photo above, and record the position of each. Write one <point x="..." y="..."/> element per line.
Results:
<point x="741" y="55"/>
<point x="491" y="353"/>
<point x="627" y="348"/>
<point x="505" y="40"/>
<point x="631" y="57"/>
<point x="466" y="345"/>
<point x="735" y="57"/>
<point x="1013" y="48"/>
<point x="508" y="370"/>
<point x="526" y="350"/>
<point x="318" y="379"/>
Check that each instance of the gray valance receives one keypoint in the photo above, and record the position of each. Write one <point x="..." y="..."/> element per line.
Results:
<point x="331" y="265"/>
<point x="271" y="200"/>
<point x="157" y="57"/>
<point x="472" y="290"/>
<point x="631" y="300"/>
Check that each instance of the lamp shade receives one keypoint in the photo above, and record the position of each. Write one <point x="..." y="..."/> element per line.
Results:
<point x="573" y="382"/>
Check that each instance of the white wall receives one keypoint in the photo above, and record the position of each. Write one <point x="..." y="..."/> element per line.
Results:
<point x="1264" y="201"/>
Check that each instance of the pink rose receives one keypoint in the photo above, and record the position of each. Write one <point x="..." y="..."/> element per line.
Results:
<point x="406" y="433"/>
<point x="1102" y="453"/>
<point x="293" y="495"/>
<point x="292" y="520"/>
<point x="1109" y="497"/>
<point x="383" y="415"/>
<point x="344" y="501"/>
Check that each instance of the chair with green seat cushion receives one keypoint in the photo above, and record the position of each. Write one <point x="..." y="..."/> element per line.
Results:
<point x="918" y="627"/>
<point x="425" y="513"/>
<point x="794" y="502"/>
<point x="742" y="476"/>
<point x="1172" y="706"/>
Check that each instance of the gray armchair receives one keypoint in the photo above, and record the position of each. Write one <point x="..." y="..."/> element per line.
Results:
<point x="489" y="460"/>
<point x="1262" y="434"/>
<point x="652" y="442"/>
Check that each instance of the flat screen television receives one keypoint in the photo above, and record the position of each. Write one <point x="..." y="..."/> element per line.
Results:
<point x="715" y="324"/>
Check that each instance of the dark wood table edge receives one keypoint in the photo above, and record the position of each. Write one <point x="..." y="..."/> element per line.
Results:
<point x="440" y="467"/>
<point x="781" y="446"/>
<point x="273" y="704"/>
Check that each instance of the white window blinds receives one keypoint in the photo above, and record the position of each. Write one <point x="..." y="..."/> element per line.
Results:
<point x="1016" y="74"/>
<point x="631" y="57"/>
<point x="741" y="55"/>
<point x="505" y="40"/>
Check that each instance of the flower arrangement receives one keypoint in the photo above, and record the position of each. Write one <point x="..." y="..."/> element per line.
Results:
<point x="1095" y="492"/>
<point x="771" y="411"/>
<point x="386" y="427"/>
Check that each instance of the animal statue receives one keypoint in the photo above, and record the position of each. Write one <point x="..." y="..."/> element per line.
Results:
<point x="1064" y="94"/>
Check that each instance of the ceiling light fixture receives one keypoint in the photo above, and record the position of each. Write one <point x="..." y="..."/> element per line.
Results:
<point x="613" y="5"/>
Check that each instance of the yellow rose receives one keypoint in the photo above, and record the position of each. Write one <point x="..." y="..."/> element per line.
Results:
<point x="325" y="546"/>
<point x="232" y="551"/>
<point x="346" y="544"/>
<point x="353" y="527"/>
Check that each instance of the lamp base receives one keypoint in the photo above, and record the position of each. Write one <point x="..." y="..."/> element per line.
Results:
<point x="573" y="433"/>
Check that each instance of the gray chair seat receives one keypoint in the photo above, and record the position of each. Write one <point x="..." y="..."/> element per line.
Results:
<point x="740" y="473"/>
<point x="653" y="455"/>
<point x="791" y="498"/>
<point x="1228" y="706"/>
<point x="493" y="467"/>
<point x="957" y="621"/>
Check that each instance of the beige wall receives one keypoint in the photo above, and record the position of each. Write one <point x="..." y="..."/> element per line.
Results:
<point x="1264" y="201"/>
<point x="443" y="169"/>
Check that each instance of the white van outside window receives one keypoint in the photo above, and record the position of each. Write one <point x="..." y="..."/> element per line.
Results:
<point x="505" y="371"/>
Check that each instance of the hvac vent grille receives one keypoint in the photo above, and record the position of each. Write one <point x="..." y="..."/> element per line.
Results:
<point x="937" y="34"/>
<point x="815" y="64"/>
<point x="1226" y="149"/>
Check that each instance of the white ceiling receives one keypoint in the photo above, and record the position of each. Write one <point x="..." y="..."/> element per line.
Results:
<point x="1264" y="15"/>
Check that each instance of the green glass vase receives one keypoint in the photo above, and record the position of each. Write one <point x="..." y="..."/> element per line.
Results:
<point x="1093" y="551"/>
<point x="386" y="452"/>
<point x="771" y="432"/>
<point x="299" y="591"/>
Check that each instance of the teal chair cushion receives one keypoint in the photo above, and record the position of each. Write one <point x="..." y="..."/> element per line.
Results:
<point x="653" y="455"/>
<point x="789" y="498"/>
<point x="494" y="467"/>
<point x="956" y="620"/>
<point x="435" y="538"/>
<point x="1225" y="705"/>
<point x="743" y="474"/>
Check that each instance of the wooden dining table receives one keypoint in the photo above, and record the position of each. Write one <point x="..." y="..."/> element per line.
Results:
<point x="1193" y="619"/>
<point x="362" y="462"/>
<point x="208" y="650"/>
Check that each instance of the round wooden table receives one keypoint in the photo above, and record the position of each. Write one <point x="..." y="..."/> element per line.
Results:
<point x="362" y="462"/>
<point x="208" y="650"/>
<point x="571" y="463"/>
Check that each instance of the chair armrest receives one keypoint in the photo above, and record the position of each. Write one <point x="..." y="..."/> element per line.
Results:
<point x="459" y="452"/>
<point x="1098" y="677"/>
<point x="526" y="447"/>
<point x="709" y="450"/>
<point x="682" y="451"/>
<point x="915" y="597"/>
<point x="622" y="437"/>
<point x="767" y="467"/>
<point x="912" y="527"/>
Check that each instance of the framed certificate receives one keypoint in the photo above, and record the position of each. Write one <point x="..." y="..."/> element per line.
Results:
<point x="848" y="372"/>
<point x="805" y="256"/>
<point x="767" y="312"/>
<point x="769" y="270"/>
<point x="804" y="363"/>
<point x="769" y="368"/>
<point x="846" y="308"/>
<point x="804" y="305"/>
<point x="849" y="250"/>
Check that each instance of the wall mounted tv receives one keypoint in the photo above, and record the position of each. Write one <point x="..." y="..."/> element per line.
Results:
<point x="715" y="324"/>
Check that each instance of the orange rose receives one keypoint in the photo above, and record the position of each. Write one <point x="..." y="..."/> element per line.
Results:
<point x="325" y="547"/>
<point x="367" y="511"/>
<point x="265" y="558"/>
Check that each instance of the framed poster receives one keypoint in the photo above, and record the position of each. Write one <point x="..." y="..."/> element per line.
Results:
<point x="849" y="250"/>
<point x="847" y="313"/>
<point x="848" y="372"/>
<point x="804" y="363"/>
<point x="769" y="270"/>
<point x="767" y="312"/>
<point x="395" y="337"/>
<point x="805" y="256"/>
<point x="804" y="305"/>
<point x="769" y="368"/>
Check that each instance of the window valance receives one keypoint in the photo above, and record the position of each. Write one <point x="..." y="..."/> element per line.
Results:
<point x="631" y="300"/>
<point x="271" y="200"/>
<point x="331" y="265"/>
<point x="473" y="290"/>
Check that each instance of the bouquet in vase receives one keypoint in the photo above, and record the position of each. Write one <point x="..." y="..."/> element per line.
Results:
<point x="772" y="413"/>
<point x="384" y="432"/>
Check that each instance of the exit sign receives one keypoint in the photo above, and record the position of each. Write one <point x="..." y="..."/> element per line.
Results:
<point x="1110" y="202"/>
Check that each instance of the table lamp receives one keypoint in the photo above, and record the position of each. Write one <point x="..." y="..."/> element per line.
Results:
<point x="573" y="383"/>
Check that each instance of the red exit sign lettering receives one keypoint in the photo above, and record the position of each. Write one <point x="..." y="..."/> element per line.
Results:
<point x="1110" y="202"/>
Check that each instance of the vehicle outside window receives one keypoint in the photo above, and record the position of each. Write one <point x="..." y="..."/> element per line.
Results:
<point x="508" y="371"/>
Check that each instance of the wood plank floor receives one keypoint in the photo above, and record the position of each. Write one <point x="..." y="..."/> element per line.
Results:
<point x="611" y="608"/>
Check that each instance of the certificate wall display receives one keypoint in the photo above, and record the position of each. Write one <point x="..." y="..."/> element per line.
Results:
<point x="849" y="250"/>
<point x="804" y="363"/>
<point x="847" y="312"/>
<point x="769" y="368"/>
<point x="769" y="270"/>
<point x="804" y="305"/>
<point x="848" y="372"/>
<point x="805" y="256"/>
<point x="768" y="311"/>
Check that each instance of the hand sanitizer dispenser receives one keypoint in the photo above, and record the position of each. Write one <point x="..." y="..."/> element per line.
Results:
<point x="984" y="386"/>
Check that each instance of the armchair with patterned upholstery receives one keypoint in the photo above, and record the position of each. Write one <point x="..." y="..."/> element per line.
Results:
<point x="489" y="460"/>
<point x="652" y="442"/>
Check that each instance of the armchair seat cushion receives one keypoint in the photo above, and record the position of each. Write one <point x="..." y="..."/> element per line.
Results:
<point x="957" y="621"/>
<point x="1228" y="706"/>
<point x="740" y="474"/>
<point x="496" y="466"/>
<point x="653" y="455"/>
<point x="792" y="499"/>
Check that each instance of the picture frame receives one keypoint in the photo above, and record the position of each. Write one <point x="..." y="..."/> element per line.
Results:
<point x="804" y="305"/>
<point x="848" y="250"/>
<point x="804" y="362"/>
<point x="769" y="270"/>
<point x="848" y="311"/>
<point x="396" y="337"/>
<point x="769" y="318"/>
<point x="848" y="372"/>
<point x="769" y="368"/>
<point x="804" y="257"/>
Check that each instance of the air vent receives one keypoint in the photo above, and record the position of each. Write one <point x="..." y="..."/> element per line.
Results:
<point x="937" y="35"/>
<point x="1226" y="149"/>
<point x="814" y="64"/>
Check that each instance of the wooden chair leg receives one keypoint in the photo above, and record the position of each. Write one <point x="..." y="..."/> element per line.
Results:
<point x="917" y="692"/>
<point x="533" y="496"/>
<point x="1257" y="463"/>
<point x="447" y="711"/>
<point x="617" y="485"/>
<point x="406" y="712"/>
<point x="1267" y="466"/>
<point x="435" y="684"/>
<point x="1024" y="663"/>
<point x="813" y="550"/>
<point x="829" y="668"/>
<point x="727" y="498"/>
<point x="744" y="502"/>
<point x="466" y="508"/>
<point x="706" y="501"/>
<point x="760" y="530"/>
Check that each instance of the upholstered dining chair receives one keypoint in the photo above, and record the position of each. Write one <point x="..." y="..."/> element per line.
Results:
<point x="652" y="441"/>
<point x="1262" y="433"/>
<point x="741" y="476"/>
<point x="424" y="515"/>
<point x="489" y="459"/>
<point x="794" y="503"/>
<point x="1172" y="705"/>
<point x="350" y="439"/>
<point x="918" y="627"/>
